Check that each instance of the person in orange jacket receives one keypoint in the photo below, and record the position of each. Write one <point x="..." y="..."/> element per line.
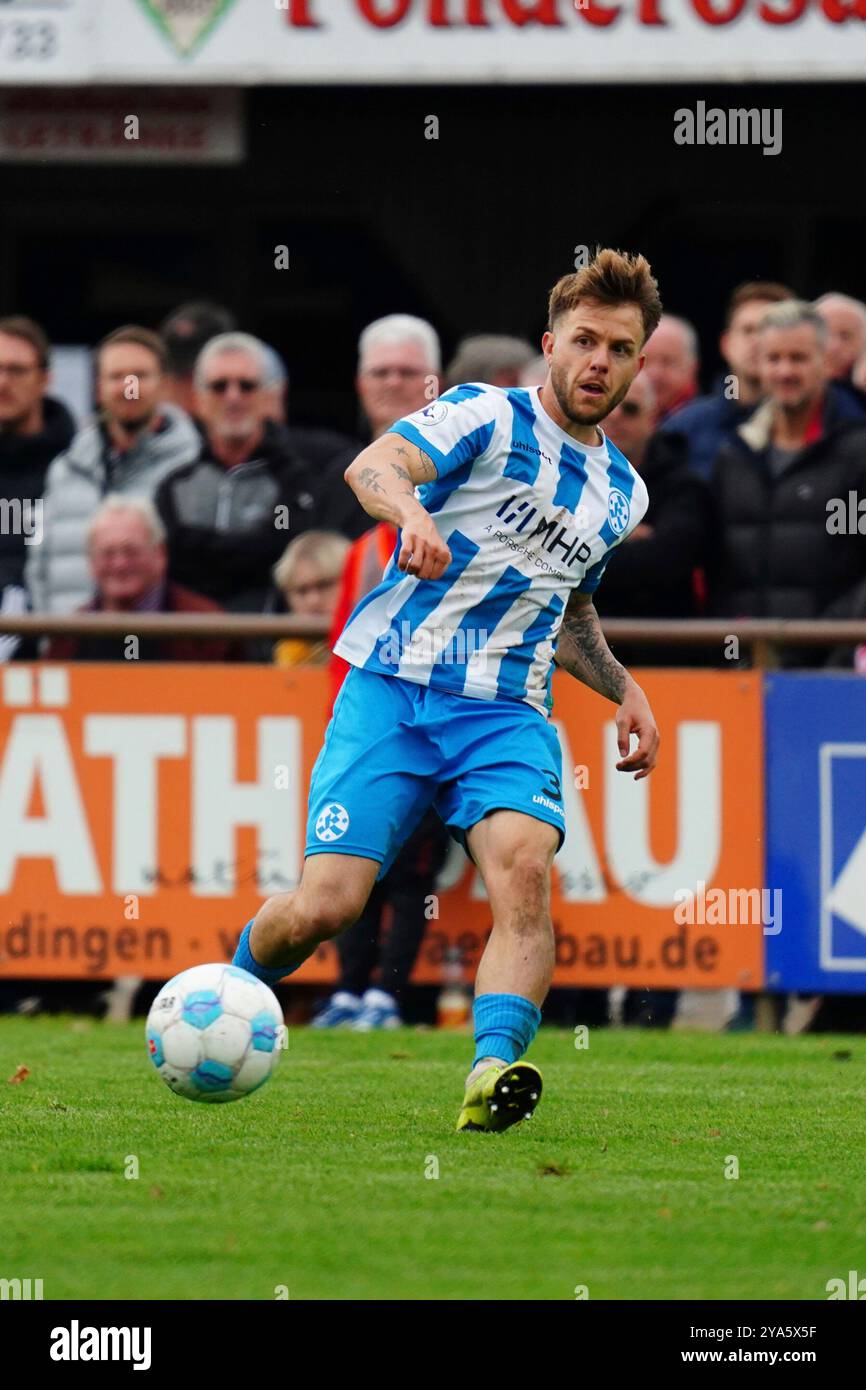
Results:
<point x="406" y="888"/>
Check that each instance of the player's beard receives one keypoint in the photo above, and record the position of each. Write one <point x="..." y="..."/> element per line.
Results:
<point x="588" y="415"/>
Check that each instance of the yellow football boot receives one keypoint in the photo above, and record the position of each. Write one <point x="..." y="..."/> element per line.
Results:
<point x="501" y="1096"/>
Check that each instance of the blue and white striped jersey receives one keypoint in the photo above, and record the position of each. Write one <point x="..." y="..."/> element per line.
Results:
<point x="528" y="515"/>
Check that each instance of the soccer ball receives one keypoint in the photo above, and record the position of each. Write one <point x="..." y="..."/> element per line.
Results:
<point x="214" y="1033"/>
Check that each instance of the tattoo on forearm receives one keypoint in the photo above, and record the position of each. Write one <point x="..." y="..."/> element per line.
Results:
<point x="369" y="478"/>
<point x="584" y="653"/>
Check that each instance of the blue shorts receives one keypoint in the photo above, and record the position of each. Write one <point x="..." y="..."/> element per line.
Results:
<point x="394" y="748"/>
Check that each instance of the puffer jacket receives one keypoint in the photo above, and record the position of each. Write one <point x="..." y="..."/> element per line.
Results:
<point x="776" y="555"/>
<point x="57" y="574"/>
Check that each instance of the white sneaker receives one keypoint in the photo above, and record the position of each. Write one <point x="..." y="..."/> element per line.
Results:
<point x="341" y="1010"/>
<point x="378" y="1010"/>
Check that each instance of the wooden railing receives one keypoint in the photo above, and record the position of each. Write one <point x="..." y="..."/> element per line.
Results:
<point x="763" y="639"/>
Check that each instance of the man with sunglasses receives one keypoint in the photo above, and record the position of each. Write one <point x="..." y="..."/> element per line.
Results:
<point x="254" y="487"/>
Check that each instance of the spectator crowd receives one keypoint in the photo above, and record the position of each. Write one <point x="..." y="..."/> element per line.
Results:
<point x="189" y="491"/>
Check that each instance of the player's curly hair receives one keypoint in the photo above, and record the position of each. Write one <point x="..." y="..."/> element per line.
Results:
<point x="612" y="277"/>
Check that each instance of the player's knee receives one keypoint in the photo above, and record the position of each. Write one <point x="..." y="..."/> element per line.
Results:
<point x="328" y="911"/>
<point x="523" y="880"/>
<point x="529" y="870"/>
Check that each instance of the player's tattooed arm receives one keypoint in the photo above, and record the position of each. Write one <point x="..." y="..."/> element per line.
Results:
<point x="384" y="478"/>
<point x="583" y="651"/>
<point x="368" y="479"/>
<point x="385" y="475"/>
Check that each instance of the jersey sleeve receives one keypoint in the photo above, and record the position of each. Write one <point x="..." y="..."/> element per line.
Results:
<point x="455" y="428"/>
<point x="591" y="580"/>
<point x="638" y="505"/>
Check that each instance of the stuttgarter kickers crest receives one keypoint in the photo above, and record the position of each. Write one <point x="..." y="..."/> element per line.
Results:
<point x="186" y="23"/>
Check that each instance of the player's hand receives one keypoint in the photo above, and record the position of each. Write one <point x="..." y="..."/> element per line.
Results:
<point x="636" y="717"/>
<point x="423" y="553"/>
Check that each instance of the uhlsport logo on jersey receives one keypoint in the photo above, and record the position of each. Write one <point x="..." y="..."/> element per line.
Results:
<point x="618" y="511"/>
<point x="186" y="23"/>
<point x="332" y="823"/>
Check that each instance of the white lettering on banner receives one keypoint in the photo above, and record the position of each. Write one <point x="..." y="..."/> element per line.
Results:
<point x="37" y="753"/>
<point x="234" y="42"/>
<point x="136" y="742"/>
<point x="221" y="804"/>
<point x="627" y="827"/>
<point x="580" y="876"/>
<point x="699" y="817"/>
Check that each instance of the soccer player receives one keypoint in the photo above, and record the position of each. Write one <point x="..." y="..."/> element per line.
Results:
<point x="508" y="504"/>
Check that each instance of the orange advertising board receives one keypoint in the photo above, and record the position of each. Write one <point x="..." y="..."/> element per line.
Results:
<point x="146" y="812"/>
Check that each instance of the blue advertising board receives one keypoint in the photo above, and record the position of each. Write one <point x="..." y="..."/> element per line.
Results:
<point x="815" y="740"/>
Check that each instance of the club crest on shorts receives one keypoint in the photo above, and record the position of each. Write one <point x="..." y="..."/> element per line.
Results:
<point x="332" y="823"/>
<point x="618" y="511"/>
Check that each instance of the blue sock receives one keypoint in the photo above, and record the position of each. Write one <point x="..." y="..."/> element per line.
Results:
<point x="244" y="958"/>
<point x="505" y="1025"/>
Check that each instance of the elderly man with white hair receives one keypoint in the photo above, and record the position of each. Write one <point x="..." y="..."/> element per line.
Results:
<point x="846" y="332"/>
<point x="399" y="371"/>
<point x="399" y="360"/>
<point x="672" y="364"/>
<point x="255" y="486"/>
<point x="128" y="565"/>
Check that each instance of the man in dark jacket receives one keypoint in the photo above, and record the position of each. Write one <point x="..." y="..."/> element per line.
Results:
<point x="780" y="481"/>
<point x="34" y="429"/>
<point x="658" y="572"/>
<point x="708" y="421"/>
<point x="399" y="364"/>
<point x="231" y="513"/>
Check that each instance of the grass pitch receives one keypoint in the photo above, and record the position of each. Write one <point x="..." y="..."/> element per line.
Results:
<point x="318" y="1182"/>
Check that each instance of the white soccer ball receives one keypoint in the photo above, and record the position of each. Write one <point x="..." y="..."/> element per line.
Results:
<point x="215" y="1033"/>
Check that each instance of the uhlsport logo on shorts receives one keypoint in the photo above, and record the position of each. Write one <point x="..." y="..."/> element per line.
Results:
<point x="333" y="822"/>
<point x="618" y="511"/>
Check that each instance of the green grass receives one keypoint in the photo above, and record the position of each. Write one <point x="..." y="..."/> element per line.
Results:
<point x="317" y="1182"/>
